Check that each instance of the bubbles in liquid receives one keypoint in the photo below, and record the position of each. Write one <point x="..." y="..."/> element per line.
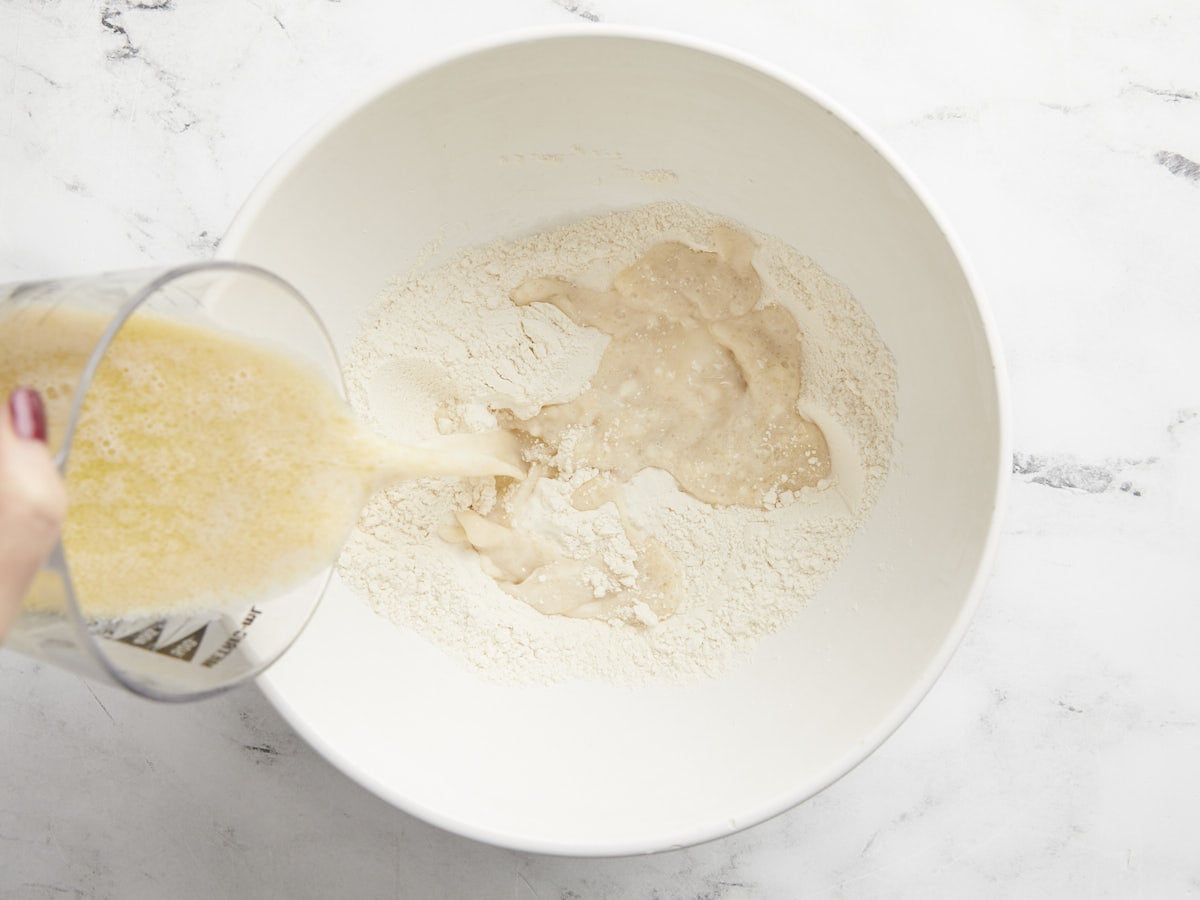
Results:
<point x="196" y="475"/>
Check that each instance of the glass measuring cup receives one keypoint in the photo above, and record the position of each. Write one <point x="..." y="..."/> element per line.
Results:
<point x="184" y="654"/>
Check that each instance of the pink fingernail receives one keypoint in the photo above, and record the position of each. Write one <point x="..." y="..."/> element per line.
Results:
<point x="28" y="414"/>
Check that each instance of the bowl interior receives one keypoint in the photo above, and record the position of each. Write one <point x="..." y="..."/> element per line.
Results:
<point x="531" y="133"/>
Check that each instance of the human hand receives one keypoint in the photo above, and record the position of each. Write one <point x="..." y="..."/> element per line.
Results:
<point x="33" y="500"/>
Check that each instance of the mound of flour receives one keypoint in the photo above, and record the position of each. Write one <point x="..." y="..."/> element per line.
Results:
<point x="442" y="349"/>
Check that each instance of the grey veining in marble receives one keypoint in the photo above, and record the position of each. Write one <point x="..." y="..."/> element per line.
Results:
<point x="1060" y="753"/>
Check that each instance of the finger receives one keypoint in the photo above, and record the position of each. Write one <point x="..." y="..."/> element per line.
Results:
<point x="33" y="502"/>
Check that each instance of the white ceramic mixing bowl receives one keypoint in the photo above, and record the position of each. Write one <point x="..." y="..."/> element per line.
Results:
<point x="532" y="131"/>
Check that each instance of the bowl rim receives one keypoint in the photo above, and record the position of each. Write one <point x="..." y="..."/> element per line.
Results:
<point x="282" y="167"/>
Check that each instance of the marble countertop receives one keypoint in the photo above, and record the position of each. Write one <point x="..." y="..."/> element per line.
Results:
<point x="1060" y="753"/>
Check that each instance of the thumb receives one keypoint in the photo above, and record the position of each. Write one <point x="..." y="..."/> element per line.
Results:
<point x="33" y="500"/>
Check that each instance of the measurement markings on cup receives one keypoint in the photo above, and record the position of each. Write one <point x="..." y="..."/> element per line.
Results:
<point x="233" y="640"/>
<point x="183" y="648"/>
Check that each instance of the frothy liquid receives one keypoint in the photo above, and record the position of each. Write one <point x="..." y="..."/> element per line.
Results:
<point x="205" y="469"/>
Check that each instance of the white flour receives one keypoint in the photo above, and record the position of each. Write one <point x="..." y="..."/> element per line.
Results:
<point x="446" y="347"/>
